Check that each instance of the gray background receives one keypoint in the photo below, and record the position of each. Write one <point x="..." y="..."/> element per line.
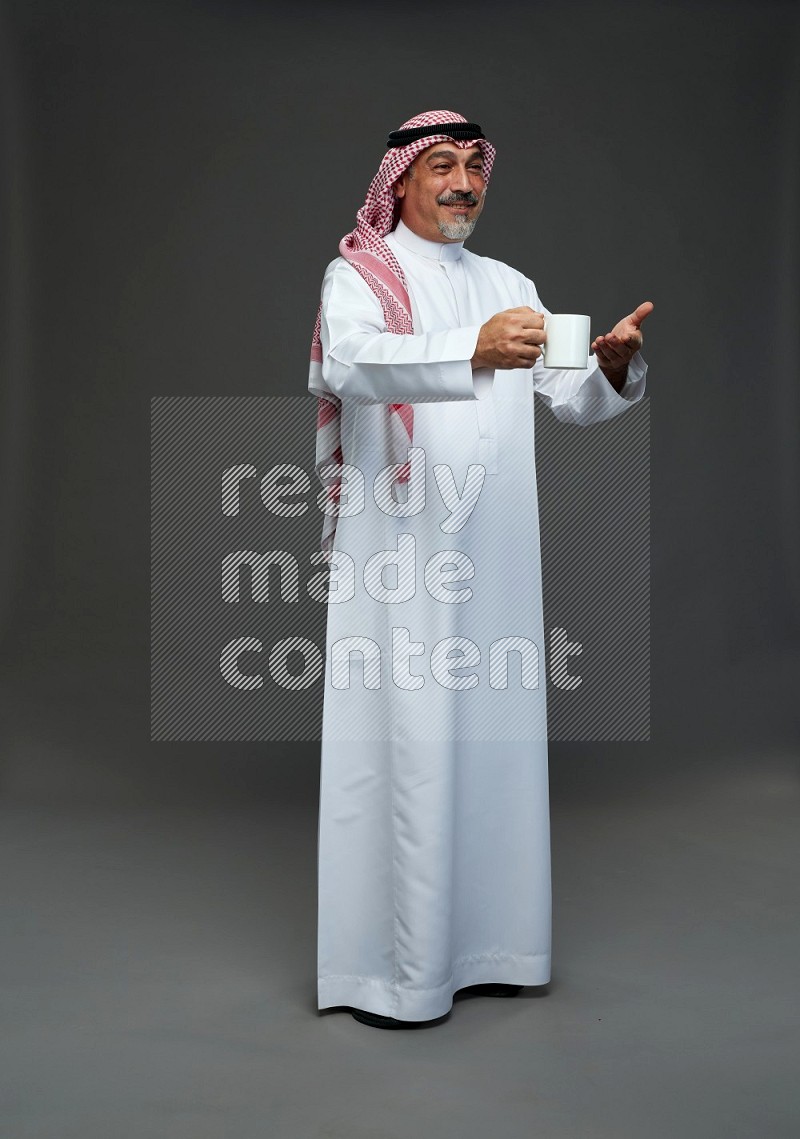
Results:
<point x="175" y="177"/>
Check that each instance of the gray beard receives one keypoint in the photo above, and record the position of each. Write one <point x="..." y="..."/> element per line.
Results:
<point x="458" y="229"/>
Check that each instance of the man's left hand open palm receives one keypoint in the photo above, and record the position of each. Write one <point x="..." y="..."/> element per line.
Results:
<point x="615" y="350"/>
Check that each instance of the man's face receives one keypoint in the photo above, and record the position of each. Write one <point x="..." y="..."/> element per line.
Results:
<point x="442" y="192"/>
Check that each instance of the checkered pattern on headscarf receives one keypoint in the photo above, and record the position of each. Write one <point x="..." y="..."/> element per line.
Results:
<point x="372" y="258"/>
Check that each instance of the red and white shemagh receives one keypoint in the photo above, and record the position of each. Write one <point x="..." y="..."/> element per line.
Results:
<point x="372" y="258"/>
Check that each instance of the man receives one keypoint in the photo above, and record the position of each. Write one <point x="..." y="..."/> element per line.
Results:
<point x="434" y="858"/>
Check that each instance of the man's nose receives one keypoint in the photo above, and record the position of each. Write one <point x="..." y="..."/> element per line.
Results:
<point x="460" y="179"/>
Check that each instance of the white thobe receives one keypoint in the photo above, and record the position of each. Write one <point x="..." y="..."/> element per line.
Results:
<point x="434" y="840"/>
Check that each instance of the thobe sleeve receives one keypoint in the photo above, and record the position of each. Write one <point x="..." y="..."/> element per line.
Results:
<point x="584" y="395"/>
<point x="363" y="362"/>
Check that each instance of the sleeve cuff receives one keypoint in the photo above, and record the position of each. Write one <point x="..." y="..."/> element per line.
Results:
<point x="482" y="382"/>
<point x="633" y="388"/>
<point x="461" y="345"/>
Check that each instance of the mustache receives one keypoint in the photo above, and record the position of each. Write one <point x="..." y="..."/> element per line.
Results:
<point x="458" y="196"/>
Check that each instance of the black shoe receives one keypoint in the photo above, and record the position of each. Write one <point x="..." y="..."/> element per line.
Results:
<point x="493" y="990"/>
<point x="375" y="1020"/>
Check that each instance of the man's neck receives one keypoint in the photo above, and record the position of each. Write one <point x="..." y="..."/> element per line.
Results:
<point x="435" y="250"/>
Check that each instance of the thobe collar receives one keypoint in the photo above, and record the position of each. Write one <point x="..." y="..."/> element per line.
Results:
<point x="435" y="250"/>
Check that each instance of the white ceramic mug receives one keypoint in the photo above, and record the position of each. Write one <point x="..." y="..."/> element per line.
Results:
<point x="567" y="344"/>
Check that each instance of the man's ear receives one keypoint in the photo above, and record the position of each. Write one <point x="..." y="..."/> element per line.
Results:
<point x="400" y="186"/>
